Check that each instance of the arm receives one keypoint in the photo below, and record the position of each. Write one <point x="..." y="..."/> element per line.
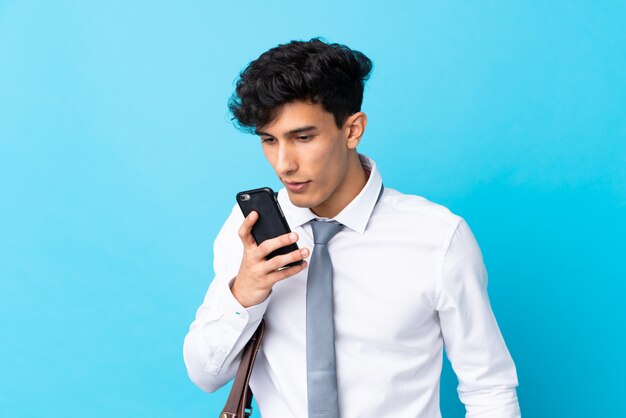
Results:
<point x="472" y="339"/>
<point x="222" y="326"/>
<point x="236" y="300"/>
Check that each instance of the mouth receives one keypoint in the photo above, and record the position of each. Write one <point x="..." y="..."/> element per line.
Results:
<point x="296" y="186"/>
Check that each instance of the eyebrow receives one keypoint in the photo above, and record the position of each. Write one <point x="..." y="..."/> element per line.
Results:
<point x="291" y="132"/>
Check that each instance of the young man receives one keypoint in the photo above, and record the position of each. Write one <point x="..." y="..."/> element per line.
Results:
<point x="407" y="276"/>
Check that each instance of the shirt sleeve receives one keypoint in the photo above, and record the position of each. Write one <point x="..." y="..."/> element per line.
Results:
<point x="472" y="339"/>
<point x="213" y="346"/>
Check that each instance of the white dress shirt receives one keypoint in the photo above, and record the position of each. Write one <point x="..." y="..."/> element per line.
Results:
<point x="409" y="279"/>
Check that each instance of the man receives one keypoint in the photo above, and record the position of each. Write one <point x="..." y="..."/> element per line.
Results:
<point x="407" y="275"/>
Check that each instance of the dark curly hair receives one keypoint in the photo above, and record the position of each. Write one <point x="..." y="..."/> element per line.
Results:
<point x="312" y="71"/>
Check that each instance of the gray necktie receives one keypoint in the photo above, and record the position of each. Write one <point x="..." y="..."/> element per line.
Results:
<point x="320" y="328"/>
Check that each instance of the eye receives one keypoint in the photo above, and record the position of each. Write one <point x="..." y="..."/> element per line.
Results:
<point x="267" y="140"/>
<point x="305" y="138"/>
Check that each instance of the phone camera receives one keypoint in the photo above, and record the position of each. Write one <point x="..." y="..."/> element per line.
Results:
<point x="244" y="197"/>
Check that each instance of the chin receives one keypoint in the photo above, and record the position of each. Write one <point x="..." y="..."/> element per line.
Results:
<point x="298" y="200"/>
<point x="301" y="201"/>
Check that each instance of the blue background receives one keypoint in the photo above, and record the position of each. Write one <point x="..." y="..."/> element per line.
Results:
<point x="118" y="165"/>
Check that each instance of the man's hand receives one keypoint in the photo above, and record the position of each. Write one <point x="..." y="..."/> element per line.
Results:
<point x="257" y="275"/>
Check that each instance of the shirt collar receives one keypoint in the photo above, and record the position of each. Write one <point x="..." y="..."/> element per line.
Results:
<point x="354" y="216"/>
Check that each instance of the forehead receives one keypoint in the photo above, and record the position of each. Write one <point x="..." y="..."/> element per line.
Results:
<point x="296" y="115"/>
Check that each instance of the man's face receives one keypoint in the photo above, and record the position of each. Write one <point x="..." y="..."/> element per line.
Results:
<point x="309" y="154"/>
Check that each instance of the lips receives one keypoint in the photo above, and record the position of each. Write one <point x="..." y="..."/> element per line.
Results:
<point x="296" y="186"/>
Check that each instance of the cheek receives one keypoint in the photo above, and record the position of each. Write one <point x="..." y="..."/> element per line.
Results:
<point x="269" y="155"/>
<point x="330" y="163"/>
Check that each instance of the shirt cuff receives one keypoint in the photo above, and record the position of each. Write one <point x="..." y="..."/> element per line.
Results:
<point x="234" y="321"/>
<point x="250" y="315"/>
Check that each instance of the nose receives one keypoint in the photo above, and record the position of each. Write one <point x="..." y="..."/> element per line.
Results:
<point x="285" y="160"/>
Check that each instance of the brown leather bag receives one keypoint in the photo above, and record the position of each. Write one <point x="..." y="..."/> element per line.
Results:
<point x="239" y="403"/>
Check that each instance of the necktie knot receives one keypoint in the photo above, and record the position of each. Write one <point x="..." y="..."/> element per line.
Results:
<point x="324" y="231"/>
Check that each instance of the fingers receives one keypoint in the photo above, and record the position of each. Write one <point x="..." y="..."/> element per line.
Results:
<point x="245" y="230"/>
<point x="257" y="275"/>
<point x="267" y="246"/>
<point x="288" y="272"/>
<point x="282" y="260"/>
<point x="270" y="245"/>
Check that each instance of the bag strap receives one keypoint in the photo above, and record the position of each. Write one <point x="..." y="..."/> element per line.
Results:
<point x="239" y="403"/>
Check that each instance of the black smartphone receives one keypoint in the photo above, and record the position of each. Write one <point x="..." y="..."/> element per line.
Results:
<point x="271" y="222"/>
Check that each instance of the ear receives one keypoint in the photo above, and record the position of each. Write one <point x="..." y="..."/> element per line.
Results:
<point x="354" y="128"/>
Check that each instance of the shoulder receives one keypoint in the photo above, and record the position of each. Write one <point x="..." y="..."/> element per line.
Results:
<point x="228" y="233"/>
<point x="413" y="210"/>
<point x="234" y="219"/>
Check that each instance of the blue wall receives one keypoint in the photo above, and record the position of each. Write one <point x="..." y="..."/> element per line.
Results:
<point x="118" y="164"/>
